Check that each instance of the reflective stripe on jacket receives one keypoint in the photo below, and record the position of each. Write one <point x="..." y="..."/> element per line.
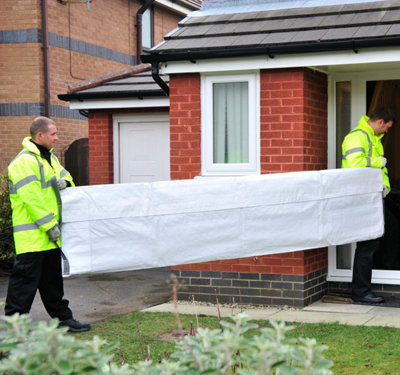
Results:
<point x="362" y="148"/>
<point x="33" y="201"/>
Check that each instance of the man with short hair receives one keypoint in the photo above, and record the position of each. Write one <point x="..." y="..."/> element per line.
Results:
<point x="362" y="147"/>
<point x="35" y="217"/>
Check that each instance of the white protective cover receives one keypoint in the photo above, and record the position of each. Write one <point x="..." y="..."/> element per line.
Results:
<point x="108" y="228"/>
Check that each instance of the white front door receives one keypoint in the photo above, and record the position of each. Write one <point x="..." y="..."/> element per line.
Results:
<point x="141" y="148"/>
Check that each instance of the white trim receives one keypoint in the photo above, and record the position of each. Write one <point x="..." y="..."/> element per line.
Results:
<point x="320" y="59"/>
<point x="119" y="103"/>
<point x="116" y="149"/>
<point x="131" y="118"/>
<point x="173" y="6"/>
<point x="208" y="168"/>
<point x="358" y="108"/>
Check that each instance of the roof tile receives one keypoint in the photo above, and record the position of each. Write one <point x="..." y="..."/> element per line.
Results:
<point x="340" y="33"/>
<point x="370" y="31"/>
<point x="394" y="30"/>
<point x="337" y="19"/>
<point x="279" y="38"/>
<point x="391" y="15"/>
<point x="250" y="40"/>
<point x="308" y="35"/>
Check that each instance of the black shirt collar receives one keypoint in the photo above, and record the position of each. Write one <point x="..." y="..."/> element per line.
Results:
<point x="44" y="151"/>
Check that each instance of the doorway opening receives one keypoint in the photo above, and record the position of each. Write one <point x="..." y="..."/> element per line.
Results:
<point x="386" y="93"/>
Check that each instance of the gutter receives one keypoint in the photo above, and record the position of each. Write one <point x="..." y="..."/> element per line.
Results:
<point x="155" y="73"/>
<point x="45" y="48"/>
<point x="110" y="95"/>
<point x="154" y="68"/>
<point x="271" y="51"/>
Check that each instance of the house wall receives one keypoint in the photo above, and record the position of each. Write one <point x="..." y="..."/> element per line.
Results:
<point x="83" y="44"/>
<point x="293" y="127"/>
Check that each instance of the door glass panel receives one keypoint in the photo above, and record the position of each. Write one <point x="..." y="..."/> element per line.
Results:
<point x="343" y="116"/>
<point x="343" y="124"/>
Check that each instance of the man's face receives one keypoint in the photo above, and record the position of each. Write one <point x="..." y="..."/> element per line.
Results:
<point x="384" y="126"/>
<point x="49" y="138"/>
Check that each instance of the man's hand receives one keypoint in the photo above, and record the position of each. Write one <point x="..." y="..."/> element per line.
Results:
<point x="54" y="233"/>
<point x="385" y="191"/>
<point x="383" y="162"/>
<point x="61" y="184"/>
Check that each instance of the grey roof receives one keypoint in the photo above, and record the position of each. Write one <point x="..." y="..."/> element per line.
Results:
<point x="134" y="85"/>
<point x="294" y="30"/>
<point x="239" y="6"/>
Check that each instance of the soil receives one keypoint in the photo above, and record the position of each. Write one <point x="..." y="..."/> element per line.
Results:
<point x="174" y="335"/>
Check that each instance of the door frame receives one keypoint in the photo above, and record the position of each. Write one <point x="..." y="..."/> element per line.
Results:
<point x="358" y="108"/>
<point x="131" y="118"/>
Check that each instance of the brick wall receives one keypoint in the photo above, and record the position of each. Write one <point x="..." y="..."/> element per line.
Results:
<point x="185" y="126"/>
<point x="293" y="125"/>
<point x="251" y="288"/>
<point x="102" y="40"/>
<point x="293" y="120"/>
<point x="101" y="148"/>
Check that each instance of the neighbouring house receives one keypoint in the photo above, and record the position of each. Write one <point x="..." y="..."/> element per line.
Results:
<point x="256" y="87"/>
<point x="47" y="45"/>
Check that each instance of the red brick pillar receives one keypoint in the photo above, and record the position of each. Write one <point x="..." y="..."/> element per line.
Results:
<point x="185" y="126"/>
<point x="100" y="148"/>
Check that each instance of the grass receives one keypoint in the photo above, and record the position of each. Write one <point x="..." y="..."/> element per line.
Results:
<point x="353" y="349"/>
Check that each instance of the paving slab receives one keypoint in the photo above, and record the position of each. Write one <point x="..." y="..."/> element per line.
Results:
<point x="380" y="311"/>
<point x="385" y="321"/>
<point x="318" y="312"/>
<point x="199" y="309"/>
<point x="339" y="307"/>
<point x="322" y="317"/>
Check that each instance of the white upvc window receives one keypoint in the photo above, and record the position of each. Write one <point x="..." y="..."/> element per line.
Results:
<point x="230" y="124"/>
<point x="147" y="29"/>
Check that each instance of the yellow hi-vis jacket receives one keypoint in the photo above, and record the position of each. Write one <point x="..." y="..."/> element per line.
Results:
<point x="33" y="200"/>
<point x="362" y="148"/>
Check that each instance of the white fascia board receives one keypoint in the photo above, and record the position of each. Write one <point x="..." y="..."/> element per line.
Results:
<point x="320" y="59"/>
<point x="175" y="7"/>
<point x="119" y="103"/>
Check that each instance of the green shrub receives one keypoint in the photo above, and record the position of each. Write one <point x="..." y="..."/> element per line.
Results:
<point x="38" y="348"/>
<point x="7" y="252"/>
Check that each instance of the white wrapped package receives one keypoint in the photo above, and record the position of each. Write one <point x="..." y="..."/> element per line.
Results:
<point x="108" y="228"/>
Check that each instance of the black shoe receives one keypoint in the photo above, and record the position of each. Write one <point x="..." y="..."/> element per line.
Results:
<point x="369" y="298"/>
<point x="74" y="326"/>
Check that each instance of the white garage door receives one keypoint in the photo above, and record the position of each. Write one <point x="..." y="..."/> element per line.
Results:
<point x="141" y="148"/>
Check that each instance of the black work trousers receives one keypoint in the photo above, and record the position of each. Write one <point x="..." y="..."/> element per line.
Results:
<point x="362" y="267"/>
<point x="37" y="271"/>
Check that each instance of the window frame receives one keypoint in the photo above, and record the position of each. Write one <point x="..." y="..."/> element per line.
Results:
<point x="151" y="29"/>
<point x="208" y="167"/>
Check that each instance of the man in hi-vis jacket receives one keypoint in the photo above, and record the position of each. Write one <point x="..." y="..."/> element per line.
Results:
<point x="35" y="218"/>
<point x="362" y="147"/>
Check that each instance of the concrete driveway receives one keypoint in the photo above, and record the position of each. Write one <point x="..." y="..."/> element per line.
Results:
<point x="97" y="297"/>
